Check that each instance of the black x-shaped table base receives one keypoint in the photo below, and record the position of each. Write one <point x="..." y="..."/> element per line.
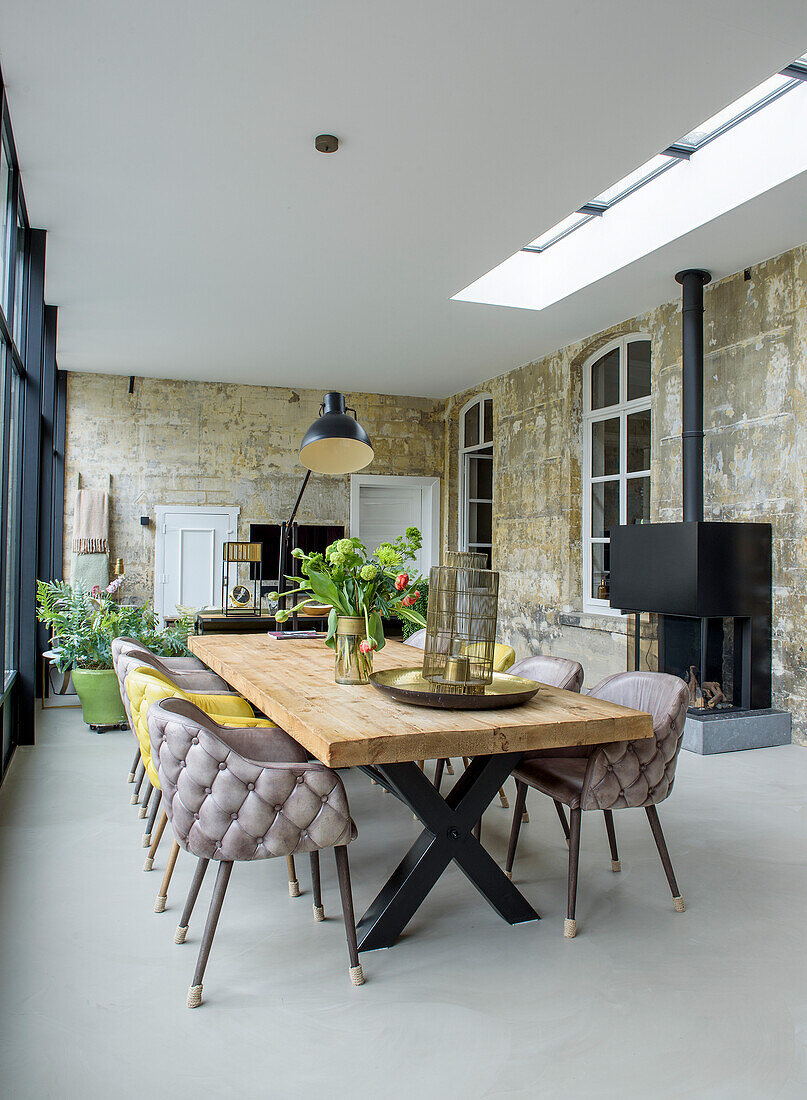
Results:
<point x="447" y="834"/>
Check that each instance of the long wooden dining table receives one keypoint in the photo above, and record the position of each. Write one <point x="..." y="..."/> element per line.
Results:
<point x="292" y="682"/>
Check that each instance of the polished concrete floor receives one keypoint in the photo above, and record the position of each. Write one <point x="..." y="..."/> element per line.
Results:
<point x="645" y="1002"/>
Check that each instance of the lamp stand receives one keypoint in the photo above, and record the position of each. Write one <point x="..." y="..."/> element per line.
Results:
<point x="287" y="531"/>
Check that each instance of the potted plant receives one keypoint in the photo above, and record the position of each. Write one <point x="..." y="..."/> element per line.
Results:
<point x="362" y="589"/>
<point x="83" y="628"/>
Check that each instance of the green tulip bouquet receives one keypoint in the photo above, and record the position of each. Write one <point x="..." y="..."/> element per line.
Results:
<point x="358" y="584"/>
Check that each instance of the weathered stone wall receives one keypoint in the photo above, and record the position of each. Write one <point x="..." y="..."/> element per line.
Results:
<point x="199" y="443"/>
<point x="755" y="459"/>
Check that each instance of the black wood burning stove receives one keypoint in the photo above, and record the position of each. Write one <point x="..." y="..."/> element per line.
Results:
<point x="709" y="583"/>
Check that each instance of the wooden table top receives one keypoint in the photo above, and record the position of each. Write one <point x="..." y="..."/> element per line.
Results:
<point x="292" y="682"/>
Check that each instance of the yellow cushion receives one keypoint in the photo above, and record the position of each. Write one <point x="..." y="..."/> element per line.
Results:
<point x="503" y="655"/>
<point x="145" y="686"/>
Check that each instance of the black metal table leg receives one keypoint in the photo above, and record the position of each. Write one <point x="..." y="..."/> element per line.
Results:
<point x="447" y="835"/>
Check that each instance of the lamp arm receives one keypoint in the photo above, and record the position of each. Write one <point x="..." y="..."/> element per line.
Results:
<point x="284" y="542"/>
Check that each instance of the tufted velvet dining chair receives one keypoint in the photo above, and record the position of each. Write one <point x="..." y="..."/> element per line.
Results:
<point x="170" y="666"/>
<point x="616" y="776"/>
<point x="237" y="795"/>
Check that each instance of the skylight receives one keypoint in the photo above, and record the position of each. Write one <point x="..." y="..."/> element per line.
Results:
<point x="739" y="153"/>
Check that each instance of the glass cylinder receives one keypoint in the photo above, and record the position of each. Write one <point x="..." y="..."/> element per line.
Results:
<point x="351" y="665"/>
<point x="461" y="625"/>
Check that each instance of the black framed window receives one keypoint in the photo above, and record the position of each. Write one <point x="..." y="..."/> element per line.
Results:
<point x="29" y="383"/>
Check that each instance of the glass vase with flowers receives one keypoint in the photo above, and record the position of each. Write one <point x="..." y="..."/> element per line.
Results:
<point x="362" y="589"/>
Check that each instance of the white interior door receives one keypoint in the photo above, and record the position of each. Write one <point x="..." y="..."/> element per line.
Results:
<point x="381" y="508"/>
<point x="188" y="555"/>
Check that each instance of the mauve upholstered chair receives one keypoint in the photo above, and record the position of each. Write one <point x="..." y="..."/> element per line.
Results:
<point x="239" y="795"/>
<point x="616" y="776"/>
<point x="559" y="672"/>
<point x="169" y="665"/>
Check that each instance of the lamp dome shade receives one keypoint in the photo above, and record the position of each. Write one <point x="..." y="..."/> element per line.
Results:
<point x="335" y="443"/>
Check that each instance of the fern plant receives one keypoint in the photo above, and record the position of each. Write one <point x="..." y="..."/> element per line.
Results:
<point x="83" y="627"/>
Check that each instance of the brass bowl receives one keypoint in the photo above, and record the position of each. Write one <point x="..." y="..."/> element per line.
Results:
<point x="316" y="610"/>
<point x="407" y="685"/>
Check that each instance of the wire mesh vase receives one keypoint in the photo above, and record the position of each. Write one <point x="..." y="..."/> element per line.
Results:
<point x="461" y="625"/>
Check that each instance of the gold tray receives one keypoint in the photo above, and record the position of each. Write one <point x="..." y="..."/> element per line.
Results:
<point x="408" y="686"/>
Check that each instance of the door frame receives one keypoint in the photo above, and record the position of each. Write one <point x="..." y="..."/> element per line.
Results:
<point x="163" y="510"/>
<point x="429" y="486"/>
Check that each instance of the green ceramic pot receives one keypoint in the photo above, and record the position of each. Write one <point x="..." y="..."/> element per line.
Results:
<point x="100" y="696"/>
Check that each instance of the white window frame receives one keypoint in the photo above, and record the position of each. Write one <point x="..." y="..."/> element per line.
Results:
<point x="621" y="409"/>
<point x="430" y="508"/>
<point x="478" y="399"/>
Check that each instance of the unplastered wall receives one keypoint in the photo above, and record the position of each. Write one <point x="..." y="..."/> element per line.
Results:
<point x="199" y="443"/>
<point x="755" y="466"/>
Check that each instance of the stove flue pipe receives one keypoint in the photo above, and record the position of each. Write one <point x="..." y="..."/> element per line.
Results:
<point x="693" y="280"/>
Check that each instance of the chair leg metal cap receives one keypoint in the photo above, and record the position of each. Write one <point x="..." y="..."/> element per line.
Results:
<point x="319" y="912"/>
<point x="525" y="818"/>
<point x="159" y="904"/>
<point x="142" y="812"/>
<point x="194" y="996"/>
<point x="616" y="864"/>
<point x="357" y="975"/>
<point x="504" y="802"/>
<point x="133" y="801"/>
<point x="131" y="778"/>
<point x="570" y="929"/>
<point x="509" y="875"/>
<point x="678" y="904"/>
<point x="146" y="840"/>
<point x="149" y="864"/>
<point x="294" y="888"/>
<point x="450" y="768"/>
<point x="180" y="934"/>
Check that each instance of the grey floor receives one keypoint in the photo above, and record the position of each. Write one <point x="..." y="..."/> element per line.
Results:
<point x="645" y="1002"/>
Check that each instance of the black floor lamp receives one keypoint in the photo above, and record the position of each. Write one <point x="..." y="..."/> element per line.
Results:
<point x="336" y="443"/>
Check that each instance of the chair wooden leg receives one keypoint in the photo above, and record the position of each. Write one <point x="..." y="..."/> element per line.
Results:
<point x="155" y="844"/>
<point x="466" y="761"/>
<point x="155" y="807"/>
<point x="563" y="821"/>
<point x="503" y="799"/>
<point x="294" y="885"/>
<point x="438" y="773"/>
<point x="144" y="801"/>
<point x="666" y="862"/>
<point x="570" y="924"/>
<point x="216" y="902"/>
<point x="616" y="864"/>
<point x="140" y="772"/>
<point x="190" y="901"/>
<point x="133" y="768"/>
<point x="343" y="873"/>
<point x="316" y="886"/>
<point x="518" y="812"/>
<point x="162" y="897"/>
<point x="525" y="817"/>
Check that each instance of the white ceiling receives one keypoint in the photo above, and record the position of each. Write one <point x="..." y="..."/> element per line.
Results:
<point x="194" y="232"/>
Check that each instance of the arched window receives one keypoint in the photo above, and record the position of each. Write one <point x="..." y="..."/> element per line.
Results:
<point x="476" y="476"/>
<point x="616" y="455"/>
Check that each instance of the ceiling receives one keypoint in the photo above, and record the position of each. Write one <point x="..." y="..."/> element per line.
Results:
<point x="194" y="232"/>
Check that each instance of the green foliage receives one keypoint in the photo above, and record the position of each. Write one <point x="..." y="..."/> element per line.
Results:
<point x="83" y="627"/>
<point x="357" y="583"/>
<point x="421" y="605"/>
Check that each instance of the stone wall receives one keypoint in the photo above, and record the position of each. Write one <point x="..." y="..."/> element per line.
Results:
<point x="199" y="443"/>
<point x="755" y="458"/>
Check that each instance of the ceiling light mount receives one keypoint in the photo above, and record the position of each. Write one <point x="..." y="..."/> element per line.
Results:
<point x="326" y="143"/>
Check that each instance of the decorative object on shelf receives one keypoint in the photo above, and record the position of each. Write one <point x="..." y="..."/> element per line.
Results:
<point x="408" y="685"/>
<point x="83" y="628"/>
<point x="362" y="590"/>
<point x="336" y="443"/>
<point x="461" y="625"/>
<point x="602" y="587"/>
<point x="239" y="598"/>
